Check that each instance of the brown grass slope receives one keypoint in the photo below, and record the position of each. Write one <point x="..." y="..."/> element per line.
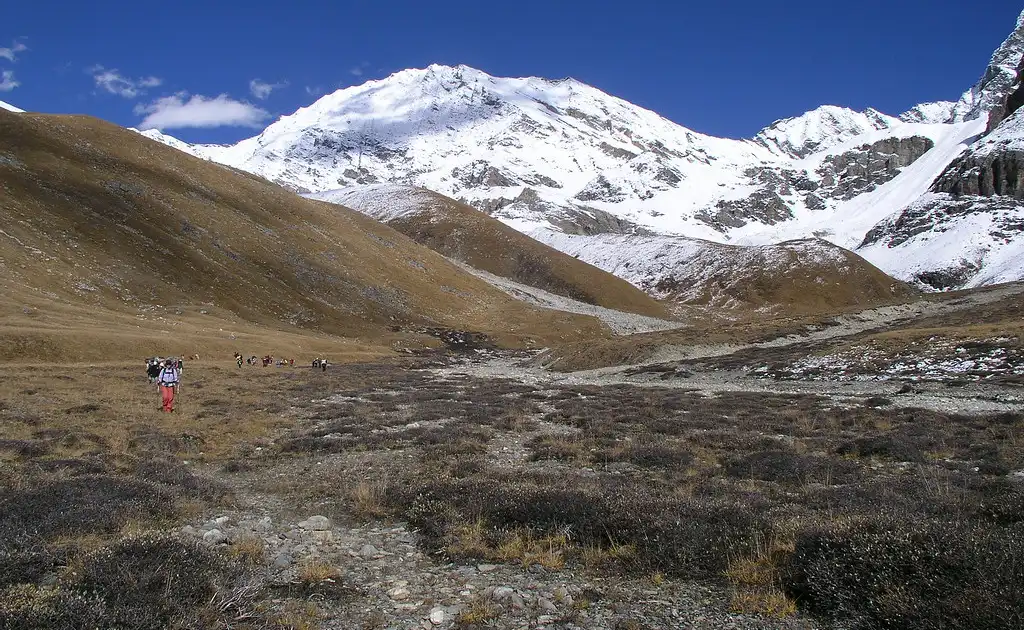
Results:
<point x="795" y="277"/>
<point x="111" y="244"/>
<point x="468" y="235"/>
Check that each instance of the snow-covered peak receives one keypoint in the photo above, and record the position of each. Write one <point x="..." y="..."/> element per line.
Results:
<point x="198" y="150"/>
<point x="457" y="129"/>
<point x="930" y="113"/>
<point x="821" y="129"/>
<point x="999" y="78"/>
<point x="11" y="108"/>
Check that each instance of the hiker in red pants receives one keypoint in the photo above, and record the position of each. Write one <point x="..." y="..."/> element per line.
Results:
<point x="168" y="383"/>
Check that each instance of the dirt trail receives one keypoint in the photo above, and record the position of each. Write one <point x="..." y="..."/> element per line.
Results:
<point x="846" y="325"/>
<point x="620" y="322"/>
<point x="938" y="395"/>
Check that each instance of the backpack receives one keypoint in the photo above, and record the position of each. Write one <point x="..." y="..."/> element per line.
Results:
<point x="168" y="376"/>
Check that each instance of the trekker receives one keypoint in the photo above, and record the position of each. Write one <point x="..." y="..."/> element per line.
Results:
<point x="152" y="369"/>
<point x="167" y="381"/>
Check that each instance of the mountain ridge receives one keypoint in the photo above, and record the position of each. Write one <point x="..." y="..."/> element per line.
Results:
<point x="561" y="155"/>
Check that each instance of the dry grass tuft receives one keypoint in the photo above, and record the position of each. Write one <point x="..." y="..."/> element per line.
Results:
<point x="249" y="550"/>
<point x="477" y="614"/>
<point x="314" y="572"/>
<point x="367" y="500"/>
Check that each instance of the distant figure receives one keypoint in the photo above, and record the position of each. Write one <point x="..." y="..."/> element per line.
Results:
<point x="167" y="381"/>
<point x="152" y="369"/>
<point x="238" y="360"/>
<point x="291" y="362"/>
<point x="323" y="365"/>
<point x="316" y="363"/>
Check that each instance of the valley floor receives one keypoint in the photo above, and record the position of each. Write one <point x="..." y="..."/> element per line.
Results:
<point x="475" y="491"/>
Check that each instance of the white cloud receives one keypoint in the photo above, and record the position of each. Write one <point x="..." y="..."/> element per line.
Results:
<point x="7" y="82"/>
<point x="11" y="54"/>
<point x="314" y="91"/>
<point x="112" y="81"/>
<point x="262" y="89"/>
<point x="357" y="71"/>
<point x="175" y="112"/>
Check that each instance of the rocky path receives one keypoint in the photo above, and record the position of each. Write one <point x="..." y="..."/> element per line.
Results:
<point x="373" y="575"/>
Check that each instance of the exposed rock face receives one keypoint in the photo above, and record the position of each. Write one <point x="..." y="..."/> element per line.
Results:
<point x="842" y="176"/>
<point x="997" y="83"/>
<point x="600" y="189"/>
<point x="861" y="170"/>
<point x="765" y="206"/>
<point x="480" y="173"/>
<point x="997" y="173"/>
<point x="582" y="220"/>
<point x="590" y="221"/>
<point x="1008" y="104"/>
<point x="936" y="217"/>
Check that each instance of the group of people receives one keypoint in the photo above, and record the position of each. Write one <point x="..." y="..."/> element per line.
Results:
<point x="267" y="360"/>
<point x="166" y="373"/>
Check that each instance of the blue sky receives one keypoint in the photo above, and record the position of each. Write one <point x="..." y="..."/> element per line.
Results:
<point x="726" y="68"/>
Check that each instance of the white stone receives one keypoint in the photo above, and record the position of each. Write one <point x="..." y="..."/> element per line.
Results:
<point x="214" y="537"/>
<point x="437" y="616"/>
<point x="399" y="593"/>
<point x="316" y="523"/>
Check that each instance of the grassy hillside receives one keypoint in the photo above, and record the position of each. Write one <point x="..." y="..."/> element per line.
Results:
<point x="464" y="233"/>
<point x="794" y="278"/>
<point x="111" y="244"/>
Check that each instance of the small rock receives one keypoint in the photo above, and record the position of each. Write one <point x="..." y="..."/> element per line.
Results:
<point x="323" y="536"/>
<point x="188" y="530"/>
<point x="501" y="593"/>
<point x="517" y="601"/>
<point x="399" y="593"/>
<point x="282" y="561"/>
<point x="486" y="568"/>
<point x="220" y="521"/>
<point x="545" y="604"/>
<point x="214" y="537"/>
<point x="316" y="523"/>
<point x="264" y="524"/>
<point x="437" y="616"/>
<point x="368" y="551"/>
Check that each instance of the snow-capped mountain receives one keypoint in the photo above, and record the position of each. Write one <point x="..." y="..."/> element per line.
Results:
<point x="11" y="108"/>
<point x="563" y="156"/>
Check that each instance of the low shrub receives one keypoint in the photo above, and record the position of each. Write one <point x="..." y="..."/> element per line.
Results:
<point x="157" y="582"/>
<point x="80" y="505"/>
<point x="891" y="573"/>
<point x="789" y="467"/>
<point x="685" y="537"/>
